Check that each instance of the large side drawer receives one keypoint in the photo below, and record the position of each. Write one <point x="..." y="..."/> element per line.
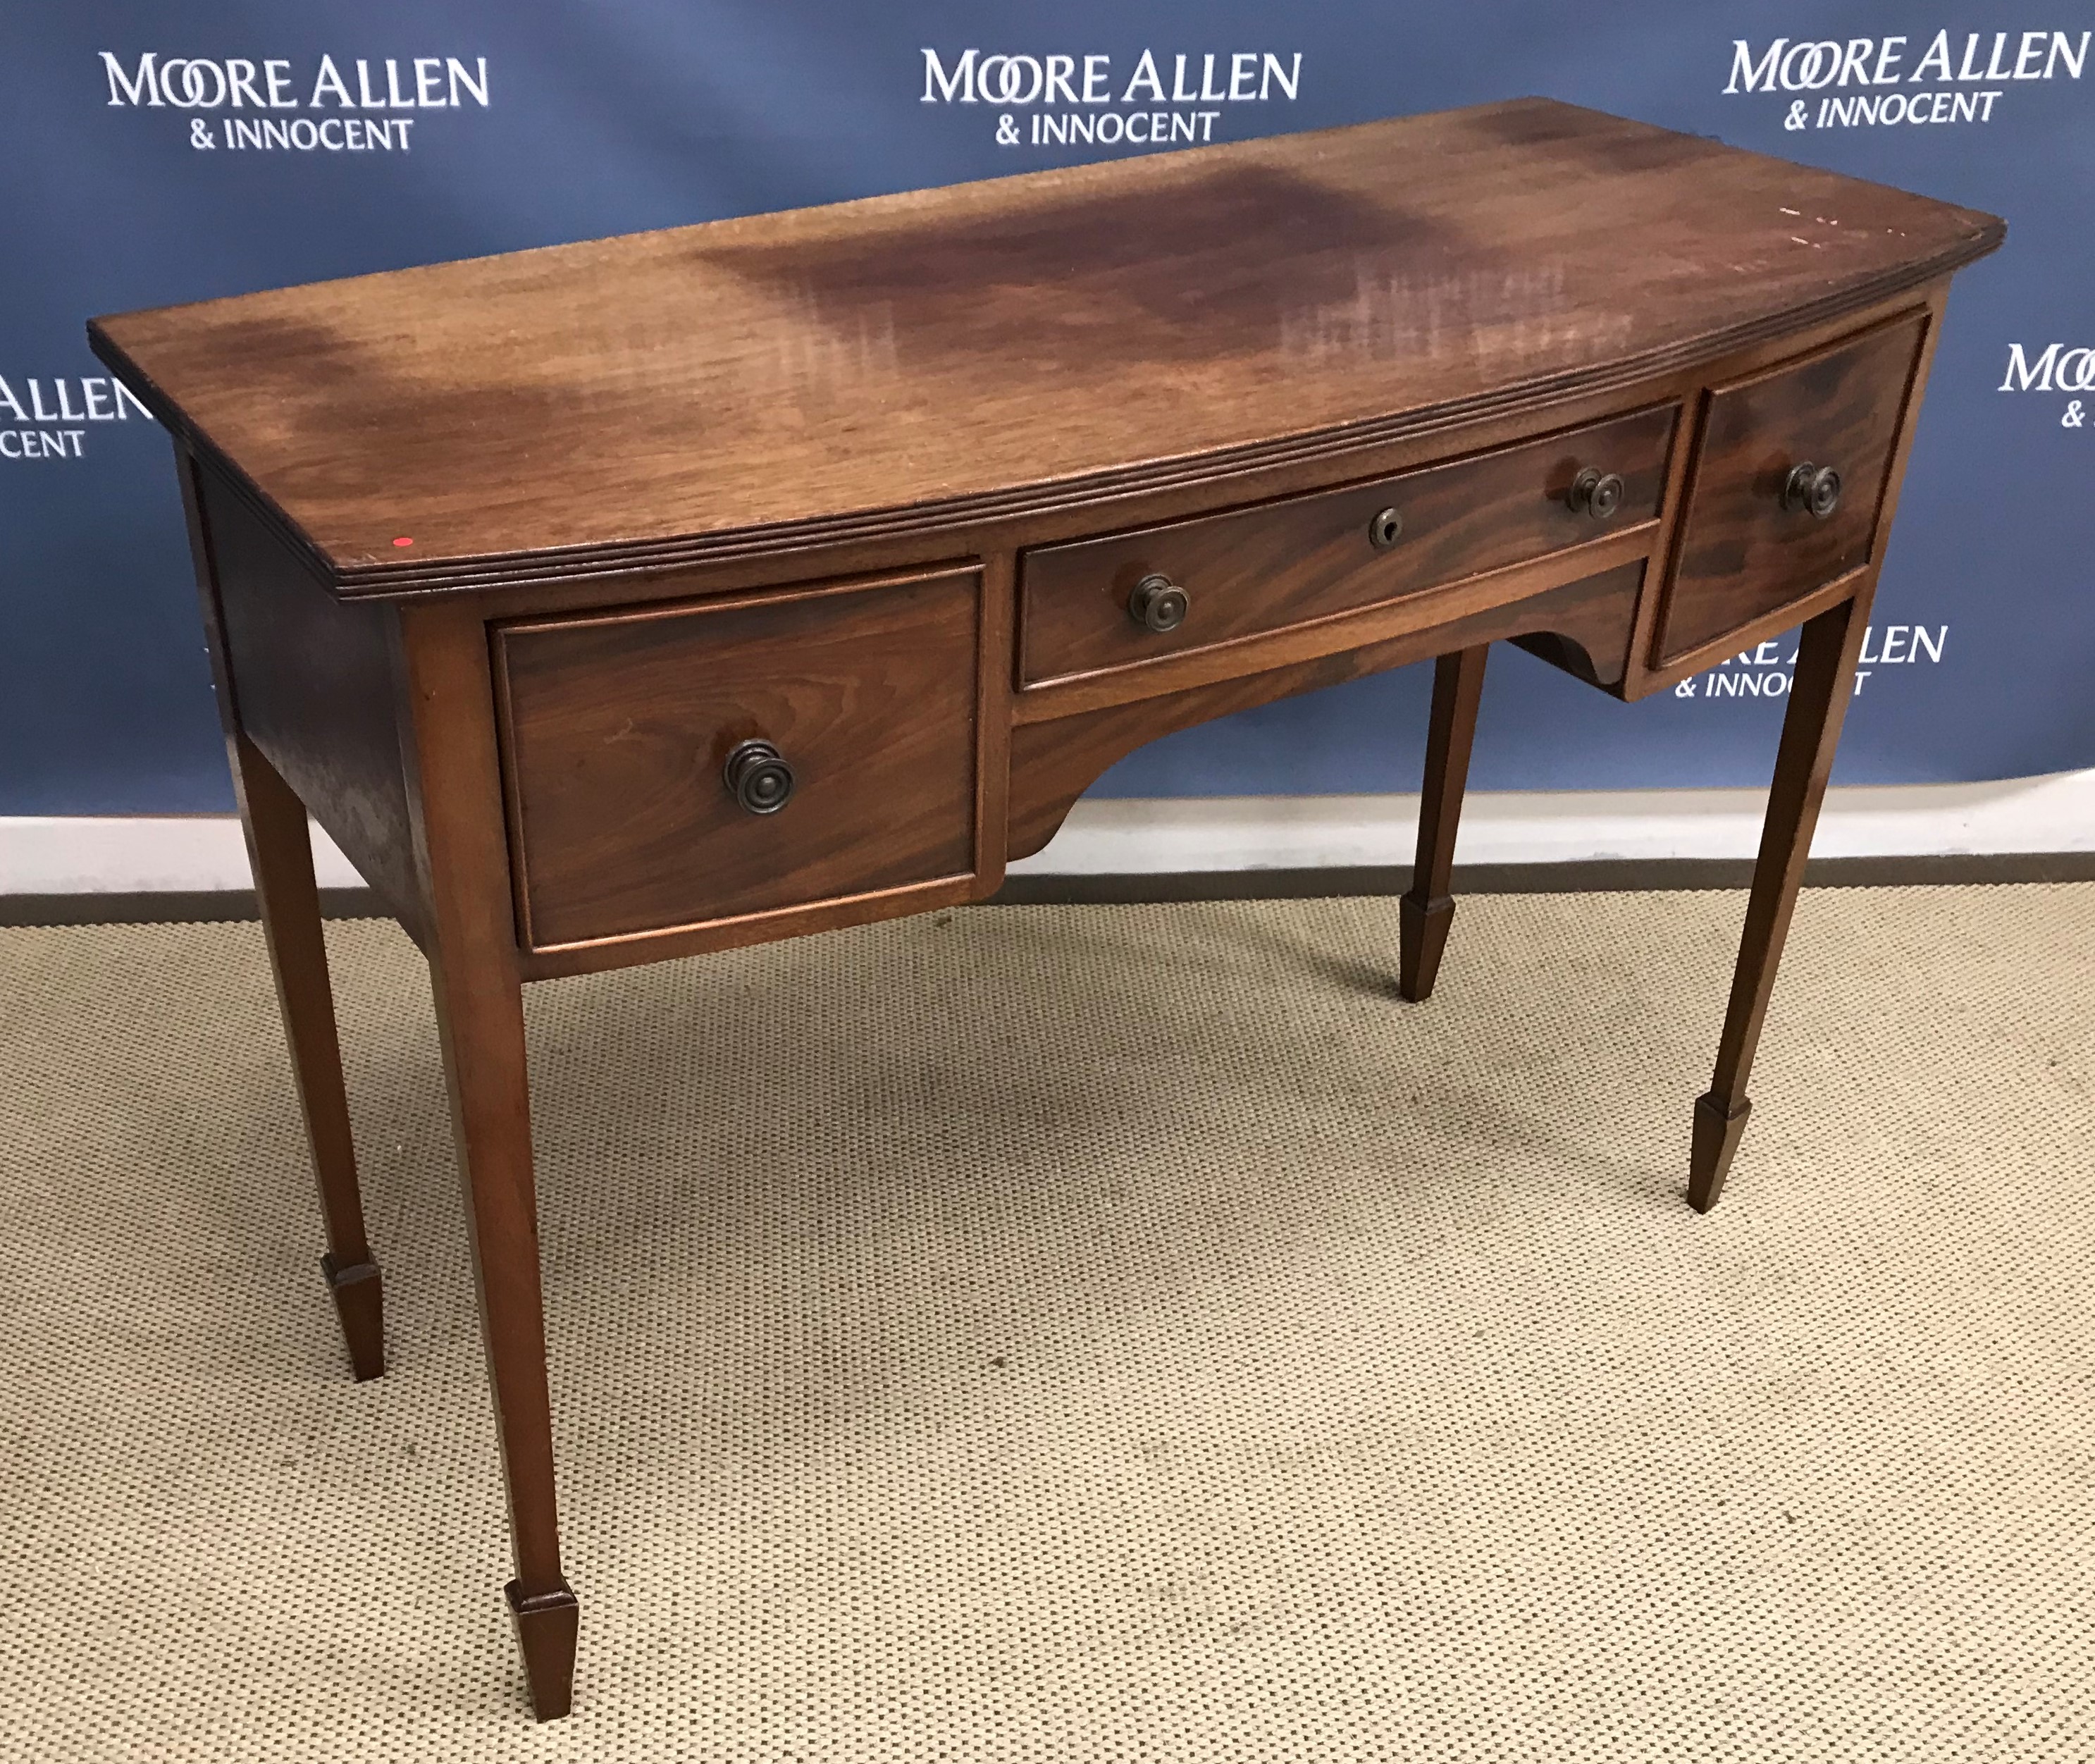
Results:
<point x="617" y="729"/>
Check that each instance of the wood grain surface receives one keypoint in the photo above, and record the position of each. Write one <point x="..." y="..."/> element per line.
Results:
<point x="616" y="729"/>
<point x="1282" y="563"/>
<point x="908" y="362"/>
<point x="1742" y="554"/>
<point x="1429" y="609"/>
<point x="314" y="683"/>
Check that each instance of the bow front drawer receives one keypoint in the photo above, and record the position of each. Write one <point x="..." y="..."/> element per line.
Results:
<point x="707" y="761"/>
<point x="1135" y="597"/>
<point x="1787" y="483"/>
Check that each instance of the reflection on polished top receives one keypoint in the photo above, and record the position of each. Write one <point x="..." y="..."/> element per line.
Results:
<point x="915" y="361"/>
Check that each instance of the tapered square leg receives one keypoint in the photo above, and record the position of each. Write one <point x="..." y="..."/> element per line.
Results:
<point x="1818" y="697"/>
<point x="359" y="1305"/>
<point x="455" y="791"/>
<point x="1717" y="1135"/>
<point x="280" y="850"/>
<point x="1426" y="910"/>
<point x="547" y="1625"/>
<point x="1422" y="934"/>
<point x="481" y="1019"/>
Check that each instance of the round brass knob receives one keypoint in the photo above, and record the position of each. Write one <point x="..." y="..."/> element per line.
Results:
<point x="1596" y="493"/>
<point x="1812" y="489"/>
<point x="1158" y="602"/>
<point x="1386" y="528"/>
<point x="758" y="777"/>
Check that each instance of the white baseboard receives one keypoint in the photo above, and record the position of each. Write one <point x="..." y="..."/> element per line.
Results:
<point x="140" y="854"/>
<point x="54" y="854"/>
<point x="1170" y="836"/>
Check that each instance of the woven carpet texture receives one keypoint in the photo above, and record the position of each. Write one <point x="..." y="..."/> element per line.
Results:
<point x="1072" y="1333"/>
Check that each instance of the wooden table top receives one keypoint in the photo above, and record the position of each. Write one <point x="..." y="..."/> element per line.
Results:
<point x="944" y="355"/>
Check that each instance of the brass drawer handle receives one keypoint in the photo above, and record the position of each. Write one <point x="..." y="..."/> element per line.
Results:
<point x="1386" y="528"/>
<point x="1812" y="489"/>
<point x="758" y="777"/>
<point x="1596" y="493"/>
<point x="1158" y="602"/>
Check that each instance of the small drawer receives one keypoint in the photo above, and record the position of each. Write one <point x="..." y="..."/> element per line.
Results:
<point x="1751" y="543"/>
<point x="1284" y="563"/>
<point x="618" y="731"/>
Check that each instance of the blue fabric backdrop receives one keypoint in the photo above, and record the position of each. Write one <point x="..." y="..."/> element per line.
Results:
<point x="158" y="154"/>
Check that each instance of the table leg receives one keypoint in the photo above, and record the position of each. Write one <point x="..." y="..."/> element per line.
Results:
<point x="481" y="1015"/>
<point x="1819" y="694"/>
<point x="1425" y="909"/>
<point x="280" y="854"/>
<point x="454" y="786"/>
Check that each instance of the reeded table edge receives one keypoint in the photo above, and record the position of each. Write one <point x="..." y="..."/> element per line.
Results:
<point x="508" y="569"/>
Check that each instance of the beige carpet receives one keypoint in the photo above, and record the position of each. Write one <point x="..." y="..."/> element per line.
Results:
<point x="1095" y="1333"/>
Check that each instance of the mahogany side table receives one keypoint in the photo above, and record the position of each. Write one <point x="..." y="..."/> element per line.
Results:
<point x="624" y="600"/>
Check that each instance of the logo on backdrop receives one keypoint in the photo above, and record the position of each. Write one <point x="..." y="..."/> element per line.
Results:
<point x="1765" y="673"/>
<point x="238" y="105"/>
<point x="52" y="419"/>
<point x="2053" y="368"/>
<point x="1881" y="82"/>
<point x="1066" y="100"/>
